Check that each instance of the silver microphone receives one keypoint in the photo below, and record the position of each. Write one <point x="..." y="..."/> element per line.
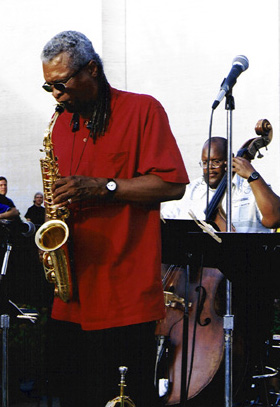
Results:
<point x="239" y="64"/>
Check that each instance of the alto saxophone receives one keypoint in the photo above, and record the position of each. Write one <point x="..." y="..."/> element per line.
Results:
<point x="121" y="400"/>
<point x="51" y="237"/>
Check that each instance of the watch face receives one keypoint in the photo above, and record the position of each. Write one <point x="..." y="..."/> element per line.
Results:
<point x="255" y="175"/>
<point x="111" y="186"/>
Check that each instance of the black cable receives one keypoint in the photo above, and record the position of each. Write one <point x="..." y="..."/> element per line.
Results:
<point x="208" y="161"/>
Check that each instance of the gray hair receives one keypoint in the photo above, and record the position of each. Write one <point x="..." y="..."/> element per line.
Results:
<point x="77" y="46"/>
<point x="38" y="193"/>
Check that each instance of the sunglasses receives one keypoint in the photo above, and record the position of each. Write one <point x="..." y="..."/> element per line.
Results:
<point x="61" y="86"/>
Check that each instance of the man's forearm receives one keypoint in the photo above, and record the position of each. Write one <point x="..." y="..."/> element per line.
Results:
<point x="10" y="214"/>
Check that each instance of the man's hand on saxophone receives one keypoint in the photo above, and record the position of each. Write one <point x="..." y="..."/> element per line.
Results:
<point x="143" y="189"/>
<point x="77" y="187"/>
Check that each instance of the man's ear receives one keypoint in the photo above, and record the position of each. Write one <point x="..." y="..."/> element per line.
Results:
<point x="93" y="69"/>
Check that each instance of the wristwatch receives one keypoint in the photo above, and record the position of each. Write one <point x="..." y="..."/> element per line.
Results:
<point x="255" y="175"/>
<point x="111" y="186"/>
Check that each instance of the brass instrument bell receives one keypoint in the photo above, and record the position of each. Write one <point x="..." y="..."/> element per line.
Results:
<point x="121" y="400"/>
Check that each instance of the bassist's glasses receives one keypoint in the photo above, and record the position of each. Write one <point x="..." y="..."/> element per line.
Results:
<point x="212" y="163"/>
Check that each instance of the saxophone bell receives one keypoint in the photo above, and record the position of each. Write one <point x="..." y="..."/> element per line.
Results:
<point x="52" y="235"/>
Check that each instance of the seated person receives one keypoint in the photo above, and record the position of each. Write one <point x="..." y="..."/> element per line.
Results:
<point x="255" y="207"/>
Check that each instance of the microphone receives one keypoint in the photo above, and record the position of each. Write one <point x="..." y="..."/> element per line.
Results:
<point x="26" y="228"/>
<point x="239" y="64"/>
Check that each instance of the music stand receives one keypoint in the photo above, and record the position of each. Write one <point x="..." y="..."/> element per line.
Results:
<point x="240" y="257"/>
<point x="174" y="251"/>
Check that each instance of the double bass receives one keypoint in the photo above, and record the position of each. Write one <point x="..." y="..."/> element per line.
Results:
<point x="205" y="308"/>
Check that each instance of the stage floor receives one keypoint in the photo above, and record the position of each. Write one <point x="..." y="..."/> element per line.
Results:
<point x="32" y="402"/>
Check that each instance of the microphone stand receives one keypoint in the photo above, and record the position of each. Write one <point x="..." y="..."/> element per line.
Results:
<point x="228" y="317"/>
<point x="5" y="260"/>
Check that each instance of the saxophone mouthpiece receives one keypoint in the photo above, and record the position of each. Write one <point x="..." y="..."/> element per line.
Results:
<point x="60" y="108"/>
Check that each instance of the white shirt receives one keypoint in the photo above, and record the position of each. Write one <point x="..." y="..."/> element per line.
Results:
<point x="246" y="216"/>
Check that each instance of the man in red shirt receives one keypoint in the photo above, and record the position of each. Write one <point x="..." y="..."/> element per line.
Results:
<point x="118" y="160"/>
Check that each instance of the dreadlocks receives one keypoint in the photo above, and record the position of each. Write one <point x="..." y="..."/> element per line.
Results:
<point x="102" y="110"/>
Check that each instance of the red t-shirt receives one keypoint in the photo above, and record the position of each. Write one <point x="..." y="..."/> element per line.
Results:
<point x="117" y="246"/>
